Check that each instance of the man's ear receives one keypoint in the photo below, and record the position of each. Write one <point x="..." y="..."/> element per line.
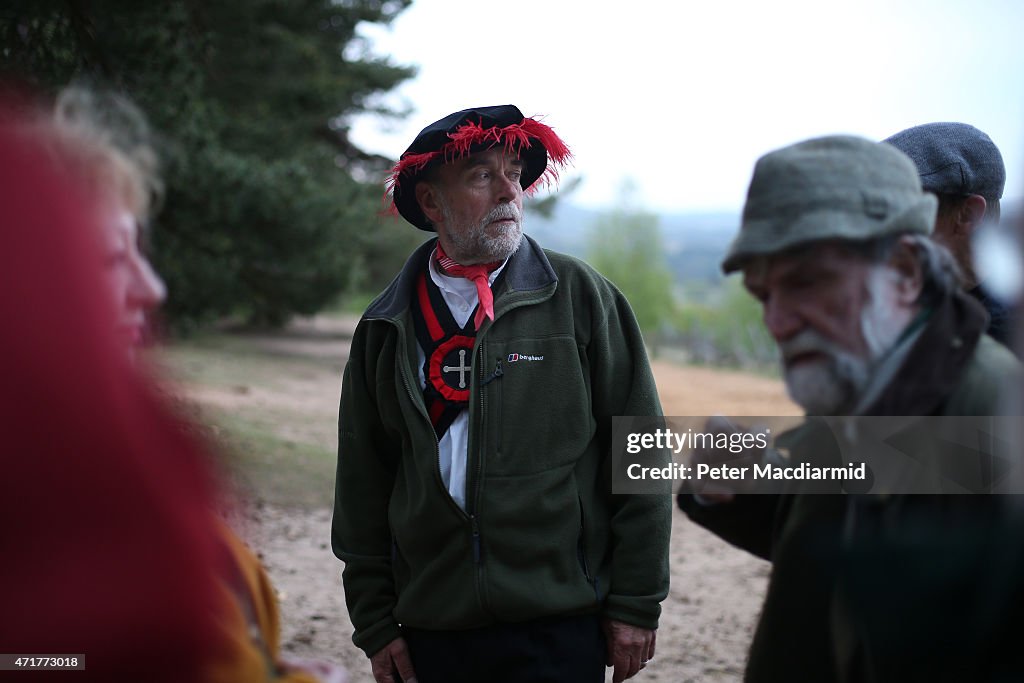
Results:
<point x="909" y="275"/>
<point x="970" y="214"/>
<point x="427" y="198"/>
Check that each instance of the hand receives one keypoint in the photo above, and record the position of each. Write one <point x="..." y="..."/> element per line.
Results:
<point x="723" y="490"/>
<point x="325" y="672"/>
<point x="630" y="648"/>
<point x="392" y="661"/>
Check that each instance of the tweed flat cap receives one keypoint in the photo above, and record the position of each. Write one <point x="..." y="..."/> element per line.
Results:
<point x="836" y="187"/>
<point x="953" y="158"/>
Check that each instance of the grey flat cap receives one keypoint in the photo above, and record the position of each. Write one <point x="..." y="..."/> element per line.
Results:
<point x="836" y="187"/>
<point x="953" y="158"/>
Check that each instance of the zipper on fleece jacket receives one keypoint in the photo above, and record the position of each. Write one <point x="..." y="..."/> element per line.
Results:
<point x="474" y="526"/>
<point x="498" y="372"/>
<point x="471" y="501"/>
<point x="476" y="540"/>
<point x="473" y="496"/>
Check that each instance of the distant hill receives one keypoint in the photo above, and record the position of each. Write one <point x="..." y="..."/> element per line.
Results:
<point x="695" y="243"/>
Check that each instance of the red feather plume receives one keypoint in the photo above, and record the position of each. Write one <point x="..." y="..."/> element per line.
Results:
<point x="469" y="135"/>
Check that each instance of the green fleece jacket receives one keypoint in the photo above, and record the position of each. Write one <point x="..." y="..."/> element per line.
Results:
<point x="541" y="535"/>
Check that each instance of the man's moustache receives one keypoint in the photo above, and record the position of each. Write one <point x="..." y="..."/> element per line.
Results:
<point x="502" y="212"/>
<point x="805" y="342"/>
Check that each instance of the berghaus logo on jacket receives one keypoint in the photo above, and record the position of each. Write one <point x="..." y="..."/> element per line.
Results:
<point x="516" y="357"/>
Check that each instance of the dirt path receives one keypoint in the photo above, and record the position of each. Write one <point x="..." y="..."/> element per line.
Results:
<point x="716" y="590"/>
<point x="688" y="390"/>
<point x="706" y="622"/>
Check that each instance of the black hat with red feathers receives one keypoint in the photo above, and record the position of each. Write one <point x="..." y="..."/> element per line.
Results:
<point x="470" y="131"/>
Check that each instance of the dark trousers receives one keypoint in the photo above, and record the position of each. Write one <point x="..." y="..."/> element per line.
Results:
<point x="564" y="650"/>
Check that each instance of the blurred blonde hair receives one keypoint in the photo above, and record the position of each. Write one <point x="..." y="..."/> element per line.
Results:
<point x="105" y="142"/>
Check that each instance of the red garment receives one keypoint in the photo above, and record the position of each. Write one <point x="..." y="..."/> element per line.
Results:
<point x="479" y="274"/>
<point x="105" y="542"/>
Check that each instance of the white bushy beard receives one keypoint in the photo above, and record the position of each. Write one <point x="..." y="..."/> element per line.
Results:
<point x="833" y="385"/>
<point x="827" y="386"/>
<point x="473" y="244"/>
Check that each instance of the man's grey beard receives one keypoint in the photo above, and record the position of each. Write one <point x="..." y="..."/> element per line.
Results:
<point x="834" y="385"/>
<point x="828" y="386"/>
<point x="475" y="245"/>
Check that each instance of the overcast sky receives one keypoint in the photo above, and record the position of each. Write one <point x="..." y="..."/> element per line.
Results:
<point x="683" y="97"/>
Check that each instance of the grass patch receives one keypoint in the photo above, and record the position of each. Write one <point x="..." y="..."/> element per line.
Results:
<point x="270" y="402"/>
<point x="264" y="465"/>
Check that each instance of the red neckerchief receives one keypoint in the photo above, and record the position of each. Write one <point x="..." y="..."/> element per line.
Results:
<point x="479" y="274"/>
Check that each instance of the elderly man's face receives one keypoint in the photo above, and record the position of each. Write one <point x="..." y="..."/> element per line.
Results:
<point x="832" y="313"/>
<point x="476" y="205"/>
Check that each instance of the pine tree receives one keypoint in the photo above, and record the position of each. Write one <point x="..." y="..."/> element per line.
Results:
<point x="263" y="215"/>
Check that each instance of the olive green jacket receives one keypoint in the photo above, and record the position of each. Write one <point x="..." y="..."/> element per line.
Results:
<point x="951" y="369"/>
<point x="541" y="534"/>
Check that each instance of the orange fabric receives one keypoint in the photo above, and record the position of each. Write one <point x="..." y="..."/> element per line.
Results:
<point x="241" y="656"/>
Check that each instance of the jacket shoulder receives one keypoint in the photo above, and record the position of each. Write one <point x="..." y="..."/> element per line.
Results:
<point x="991" y="370"/>
<point x="575" y="271"/>
<point x="568" y="264"/>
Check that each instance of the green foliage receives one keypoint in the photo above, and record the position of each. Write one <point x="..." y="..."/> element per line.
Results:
<point x="625" y="246"/>
<point x="545" y="206"/>
<point x="721" y="325"/>
<point x="263" y="215"/>
<point x="239" y="259"/>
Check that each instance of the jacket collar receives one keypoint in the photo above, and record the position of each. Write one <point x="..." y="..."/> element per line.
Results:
<point x="528" y="270"/>
<point x="936" y="360"/>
